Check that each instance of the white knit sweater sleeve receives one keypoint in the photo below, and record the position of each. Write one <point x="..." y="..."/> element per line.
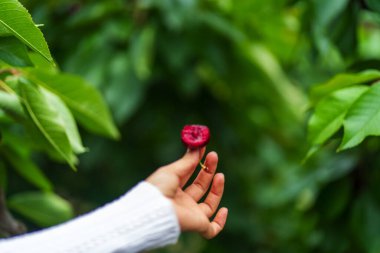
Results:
<point x="141" y="219"/>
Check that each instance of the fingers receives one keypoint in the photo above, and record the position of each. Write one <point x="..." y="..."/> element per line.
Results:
<point x="217" y="224"/>
<point x="185" y="166"/>
<point x="189" y="173"/>
<point x="213" y="198"/>
<point x="201" y="184"/>
<point x="202" y="153"/>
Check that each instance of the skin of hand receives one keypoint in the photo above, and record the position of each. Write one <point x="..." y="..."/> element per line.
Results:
<point x="192" y="215"/>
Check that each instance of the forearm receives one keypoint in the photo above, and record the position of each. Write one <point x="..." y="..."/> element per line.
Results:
<point x="141" y="219"/>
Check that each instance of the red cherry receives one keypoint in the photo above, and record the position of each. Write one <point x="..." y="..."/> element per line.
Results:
<point x="195" y="136"/>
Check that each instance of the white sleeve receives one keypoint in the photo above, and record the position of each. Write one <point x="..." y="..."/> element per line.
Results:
<point x="141" y="219"/>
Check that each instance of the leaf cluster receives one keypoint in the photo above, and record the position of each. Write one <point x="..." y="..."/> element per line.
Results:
<point x="40" y="108"/>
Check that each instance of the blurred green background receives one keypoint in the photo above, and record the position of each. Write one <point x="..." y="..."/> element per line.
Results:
<point x="244" y="68"/>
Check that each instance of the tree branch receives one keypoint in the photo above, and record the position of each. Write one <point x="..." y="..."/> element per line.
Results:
<point x="9" y="226"/>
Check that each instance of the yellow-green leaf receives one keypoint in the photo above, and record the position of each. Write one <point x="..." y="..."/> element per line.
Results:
<point x="84" y="101"/>
<point x="13" y="52"/>
<point x="341" y="81"/>
<point x="363" y="118"/>
<point x="43" y="208"/>
<point x="28" y="170"/>
<point x="330" y="112"/>
<point x="65" y="117"/>
<point x="46" y="120"/>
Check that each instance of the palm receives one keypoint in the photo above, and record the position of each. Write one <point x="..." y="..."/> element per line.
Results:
<point x="191" y="214"/>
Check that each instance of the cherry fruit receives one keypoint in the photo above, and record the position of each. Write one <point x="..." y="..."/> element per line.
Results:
<point x="195" y="136"/>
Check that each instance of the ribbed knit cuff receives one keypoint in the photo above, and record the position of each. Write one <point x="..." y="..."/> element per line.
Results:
<point x="155" y="222"/>
<point x="141" y="219"/>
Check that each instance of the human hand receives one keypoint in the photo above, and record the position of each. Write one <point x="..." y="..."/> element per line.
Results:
<point x="194" y="216"/>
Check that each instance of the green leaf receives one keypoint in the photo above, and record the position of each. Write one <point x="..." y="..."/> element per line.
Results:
<point x="43" y="208"/>
<point x="326" y="11"/>
<point x="365" y="221"/>
<point x="343" y="80"/>
<point x="91" y="13"/>
<point x="374" y="5"/>
<point x="85" y="102"/>
<point x="46" y="120"/>
<point x="269" y="65"/>
<point x="221" y="25"/>
<point x="334" y="198"/>
<point x="41" y="63"/>
<point x="13" y="52"/>
<point x="66" y="119"/>
<point x="4" y="32"/>
<point x="363" y="118"/>
<point x="10" y="103"/>
<point x="330" y="112"/>
<point x="10" y="83"/>
<point x="15" y="18"/>
<point x="124" y="91"/>
<point x="142" y="52"/>
<point x="27" y="169"/>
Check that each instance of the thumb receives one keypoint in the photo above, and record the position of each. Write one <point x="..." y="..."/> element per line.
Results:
<point x="185" y="166"/>
<point x="168" y="178"/>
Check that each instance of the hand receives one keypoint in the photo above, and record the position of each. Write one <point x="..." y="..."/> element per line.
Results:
<point x="194" y="216"/>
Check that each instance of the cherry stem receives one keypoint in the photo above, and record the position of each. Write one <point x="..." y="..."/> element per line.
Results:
<point x="203" y="166"/>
